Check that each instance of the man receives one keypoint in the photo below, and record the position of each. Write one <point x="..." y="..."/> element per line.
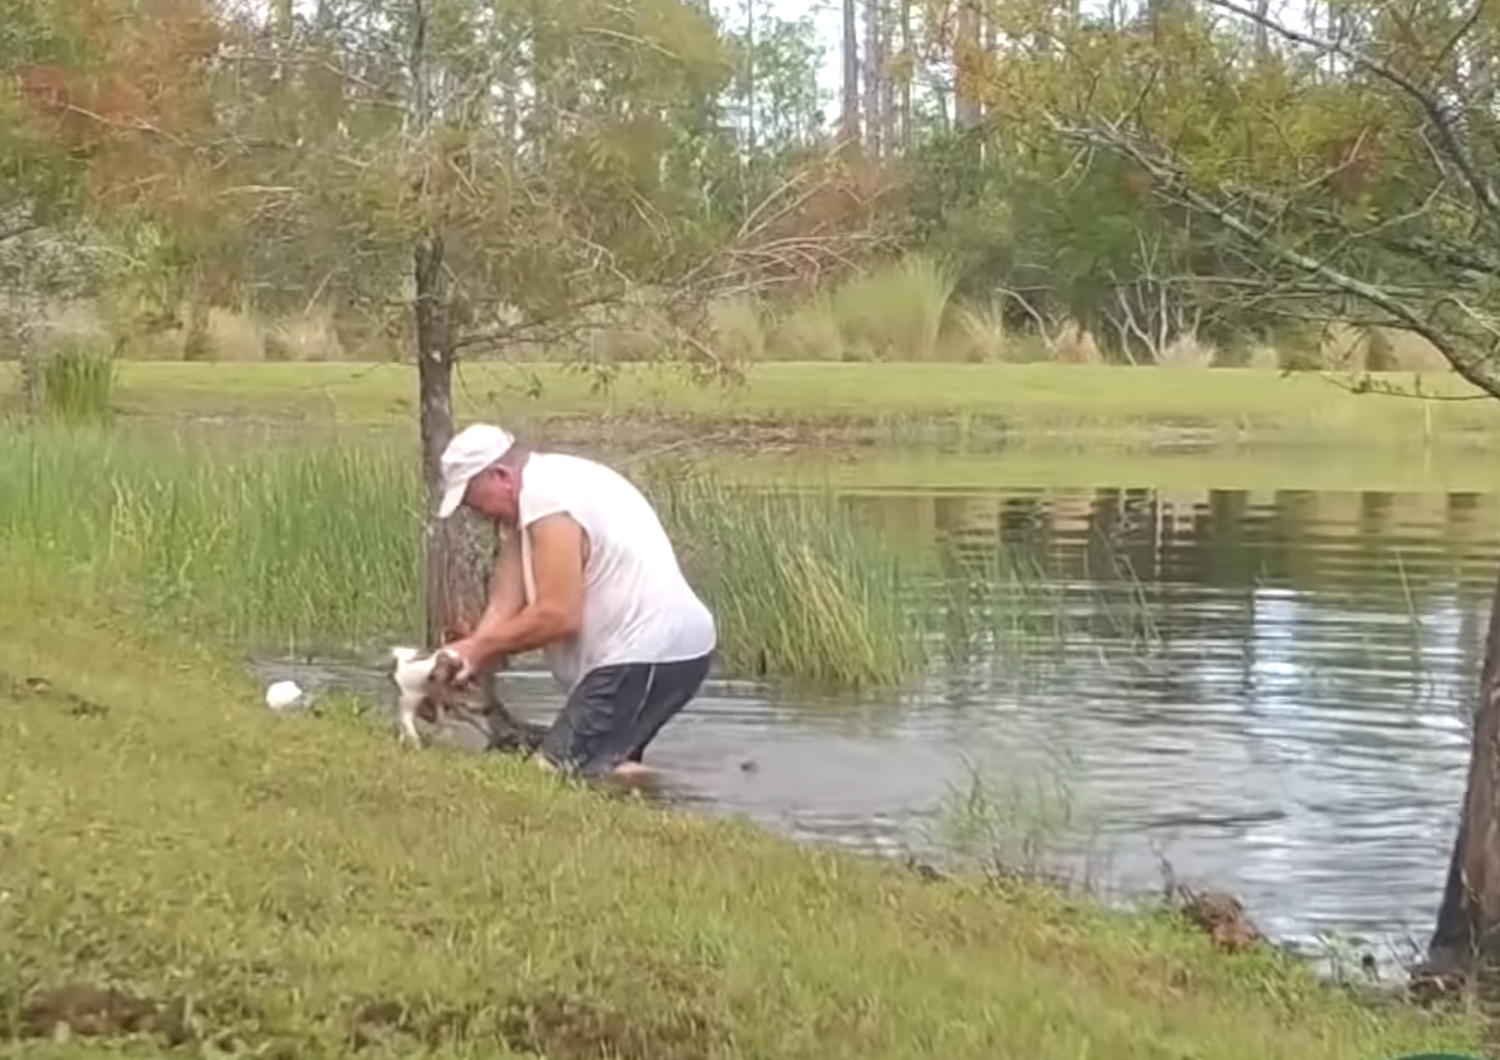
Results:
<point x="586" y="573"/>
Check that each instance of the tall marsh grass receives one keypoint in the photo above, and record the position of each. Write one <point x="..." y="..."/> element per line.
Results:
<point x="78" y="384"/>
<point x="316" y="546"/>
<point x="896" y="313"/>
<point x="798" y="587"/>
<point x="1018" y="823"/>
<point x="269" y="544"/>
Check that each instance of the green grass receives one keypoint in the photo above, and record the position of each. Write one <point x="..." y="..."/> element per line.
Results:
<point x="304" y="888"/>
<point x="315" y="546"/>
<point x="1084" y="405"/>
<point x="797" y="587"/>
<point x="78" y="385"/>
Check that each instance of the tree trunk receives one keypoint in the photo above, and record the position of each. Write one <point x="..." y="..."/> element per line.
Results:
<point x="849" y="118"/>
<point x="965" y="60"/>
<point x="909" y="68"/>
<point x="889" y="112"/>
<point x="873" y="65"/>
<point x="1466" y="932"/>
<point x="443" y="538"/>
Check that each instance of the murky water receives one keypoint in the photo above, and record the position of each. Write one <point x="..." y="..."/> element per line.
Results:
<point x="1267" y="691"/>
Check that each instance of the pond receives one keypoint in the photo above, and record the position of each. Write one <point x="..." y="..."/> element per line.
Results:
<point x="1267" y="691"/>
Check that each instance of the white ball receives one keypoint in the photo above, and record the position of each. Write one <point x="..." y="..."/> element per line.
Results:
<point x="283" y="694"/>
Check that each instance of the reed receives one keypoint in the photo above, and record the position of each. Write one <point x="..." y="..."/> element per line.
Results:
<point x="798" y="586"/>
<point x="78" y="384"/>
<point x="304" y="547"/>
<point x="315" y="548"/>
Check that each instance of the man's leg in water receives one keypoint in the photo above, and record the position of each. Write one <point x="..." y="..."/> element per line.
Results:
<point x="681" y="687"/>
<point x="614" y="712"/>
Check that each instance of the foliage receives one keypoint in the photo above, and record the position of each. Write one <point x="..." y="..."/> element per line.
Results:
<point x="272" y="159"/>
<point x="1337" y="179"/>
<point x="589" y="154"/>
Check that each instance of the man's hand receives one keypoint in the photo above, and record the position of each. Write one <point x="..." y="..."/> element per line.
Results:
<point x="466" y="653"/>
<point x="463" y="652"/>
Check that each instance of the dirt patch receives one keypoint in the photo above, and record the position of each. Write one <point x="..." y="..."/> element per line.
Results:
<point x="42" y="691"/>
<point x="566" y="1028"/>
<point x="550" y="1025"/>
<point x="85" y="1010"/>
<point x="380" y="1020"/>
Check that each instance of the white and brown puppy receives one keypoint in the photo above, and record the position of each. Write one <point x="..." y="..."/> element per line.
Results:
<point x="424" y="686"/>
<point x="428" y="688"/>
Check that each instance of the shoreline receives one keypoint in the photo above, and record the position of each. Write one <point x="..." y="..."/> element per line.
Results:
<point x="202" y="868"/>
<point x="1373" y="962"/>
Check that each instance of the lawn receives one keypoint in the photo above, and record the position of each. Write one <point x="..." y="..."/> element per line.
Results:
<point x="1076" y="403"/>
<point x="302" y="887"/>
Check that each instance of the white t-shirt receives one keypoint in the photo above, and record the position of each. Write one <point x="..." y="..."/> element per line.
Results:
<point x="637" y="605"/>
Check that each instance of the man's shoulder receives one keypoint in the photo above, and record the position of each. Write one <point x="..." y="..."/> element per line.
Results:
<point x="562" y="469"/>
<point x="550" y="462"/>
<point x="562" y="482"/>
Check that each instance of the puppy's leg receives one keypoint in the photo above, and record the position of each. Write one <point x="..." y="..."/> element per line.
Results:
<point x="407" y="717"/>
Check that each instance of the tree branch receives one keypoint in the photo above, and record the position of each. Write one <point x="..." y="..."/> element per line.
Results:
<point x="1437" y="116"/>
<point x="1171" y="181"/>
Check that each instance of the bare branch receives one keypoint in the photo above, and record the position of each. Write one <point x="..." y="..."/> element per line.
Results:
<point x="1171" y="181"/>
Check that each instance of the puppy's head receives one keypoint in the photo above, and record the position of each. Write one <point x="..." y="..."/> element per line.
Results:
<point x="445" y="670"/>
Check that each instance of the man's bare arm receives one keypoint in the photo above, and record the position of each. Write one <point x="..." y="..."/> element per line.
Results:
<point x="558" y="550"/>
<point x="507" y="594"/>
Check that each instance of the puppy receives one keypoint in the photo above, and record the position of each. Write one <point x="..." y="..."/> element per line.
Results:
<point x="427" y="688"/>
<point x="423" y="688"/>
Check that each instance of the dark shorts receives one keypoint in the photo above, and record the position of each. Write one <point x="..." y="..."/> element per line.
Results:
<point x="615" y="711"/>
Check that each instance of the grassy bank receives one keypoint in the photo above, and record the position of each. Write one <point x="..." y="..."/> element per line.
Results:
<point x="314" y="547"/>
<point x="1080" y="404"/>
<point x="301" y="887"/>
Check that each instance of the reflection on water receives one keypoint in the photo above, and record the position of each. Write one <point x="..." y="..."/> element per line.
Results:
<point x="1267" y="691"/>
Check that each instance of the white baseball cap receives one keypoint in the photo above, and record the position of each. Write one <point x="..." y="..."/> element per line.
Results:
<point x="472" y="450"/>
